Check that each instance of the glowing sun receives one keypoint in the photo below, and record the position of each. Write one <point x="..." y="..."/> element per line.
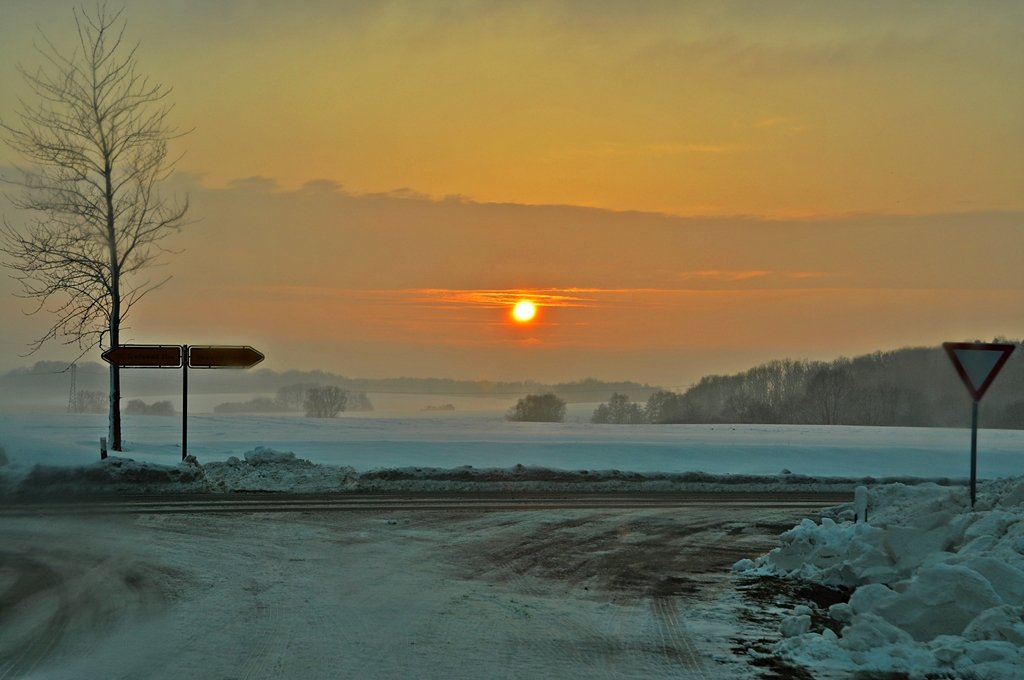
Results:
<point x="524" y="311"/>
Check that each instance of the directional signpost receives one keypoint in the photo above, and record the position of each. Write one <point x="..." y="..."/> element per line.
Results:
<point x="183" y="357"/>
<point x="978" y="364"/>
<point x="144" y="356"/>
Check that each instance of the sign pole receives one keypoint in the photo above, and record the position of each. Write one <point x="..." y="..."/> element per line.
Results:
<point x="974" y="450"/>
<point x="977" y="364"/>
<point x="183" y="356"/>
<point x="184" y="401"/>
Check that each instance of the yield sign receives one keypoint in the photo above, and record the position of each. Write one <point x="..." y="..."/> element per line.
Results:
<point x="978" y="363"/>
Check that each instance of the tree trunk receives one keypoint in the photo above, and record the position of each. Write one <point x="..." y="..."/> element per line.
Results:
<point x="114" y="433"/>
<point x="115" y="312"/>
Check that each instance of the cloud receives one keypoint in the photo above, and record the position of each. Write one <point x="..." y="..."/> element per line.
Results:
<point x="738" y="276"/>
<point x="557" y="297"/>
<point x="326" y="186"/>
<point x="256" y="183"/>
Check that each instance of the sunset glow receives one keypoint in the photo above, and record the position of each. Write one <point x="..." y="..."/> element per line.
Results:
<point x="524" y="311"/>
<point x="699" y="186"/>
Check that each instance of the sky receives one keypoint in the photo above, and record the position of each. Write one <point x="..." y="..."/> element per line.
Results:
<point x="682" y="188"/>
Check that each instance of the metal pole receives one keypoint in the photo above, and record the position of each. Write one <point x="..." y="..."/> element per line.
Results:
<point x="974" y="451"/>
<point x="184" y="401"/>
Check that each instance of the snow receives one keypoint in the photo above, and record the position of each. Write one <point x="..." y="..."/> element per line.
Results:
<point x="358" y="596"/>
<point x="937" y="586"/>
<point x="485" y="441"/>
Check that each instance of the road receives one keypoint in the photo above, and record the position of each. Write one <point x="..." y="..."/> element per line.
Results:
<point x="254" y="586"/>
<point x="430" y="502"/>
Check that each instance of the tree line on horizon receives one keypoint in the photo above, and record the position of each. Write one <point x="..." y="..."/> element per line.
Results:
<point x="318" y="401"/>
<point x="910" y="387"/>
<point x="45" y="379"/>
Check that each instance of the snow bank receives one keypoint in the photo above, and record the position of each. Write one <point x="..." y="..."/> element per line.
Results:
<point x="266" y="469"/>
<point x="538" y="478"/>
<point x="262" y="470"/>
<point x="936" y="587"/>
<point x="269" y="470"/>
<point x="113" y="475"/>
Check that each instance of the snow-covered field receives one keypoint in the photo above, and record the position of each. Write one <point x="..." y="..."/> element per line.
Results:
<point x="485" y="439"/>
<point x="929" y="586"/>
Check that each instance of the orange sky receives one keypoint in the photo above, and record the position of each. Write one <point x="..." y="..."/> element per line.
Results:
<point x="700" y="187"/>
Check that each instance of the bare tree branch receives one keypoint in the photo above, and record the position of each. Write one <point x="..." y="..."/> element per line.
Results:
<point x="94" y="143"/>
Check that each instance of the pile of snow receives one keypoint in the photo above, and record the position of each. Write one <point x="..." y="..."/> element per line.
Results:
<point x="261" y="470"/>
<point x="268" y="470"/>
<point x="113" y="475"/>
<point x="936" y="586"/>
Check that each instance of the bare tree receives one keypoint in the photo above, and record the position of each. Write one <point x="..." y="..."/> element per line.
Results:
<point x="94" y="140"/>
<point x="538" y="408"/>
<point x="325" y="402"/>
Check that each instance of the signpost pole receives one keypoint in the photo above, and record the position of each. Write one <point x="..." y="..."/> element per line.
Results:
<point x="978" y="364"/>
<point x="185" y="356"/>
<point x="974" y="450"/>
<point x="184" y="401"/>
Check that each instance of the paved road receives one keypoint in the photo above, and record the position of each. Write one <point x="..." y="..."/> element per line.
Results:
<point x="433" y="586"/>
<point x="281" y="502"/>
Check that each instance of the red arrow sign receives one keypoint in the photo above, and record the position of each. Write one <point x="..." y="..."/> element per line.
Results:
<point x="978" y="363"/>
<point x="144" y="356"/>
<point x="223" y="356"/>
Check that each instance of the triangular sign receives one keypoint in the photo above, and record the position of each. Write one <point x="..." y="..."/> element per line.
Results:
<point x="978" y="363"/>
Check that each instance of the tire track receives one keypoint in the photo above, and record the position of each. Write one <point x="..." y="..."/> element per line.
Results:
<point x="34" y="581"/>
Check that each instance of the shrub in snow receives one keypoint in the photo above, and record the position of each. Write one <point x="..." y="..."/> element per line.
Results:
<point x="620" y="411"/>
<point x="137" y="407"/>
<point x="324" y="402"/>
<point x="538" y="408"/>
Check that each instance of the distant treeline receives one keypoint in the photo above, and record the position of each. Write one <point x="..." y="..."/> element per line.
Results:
<point x="915" y="387"/>
<point x="295" y="397"/>
<point x="51" y="379"/>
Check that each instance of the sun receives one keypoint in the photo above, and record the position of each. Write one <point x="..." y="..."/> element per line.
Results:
<point x="524" y="311"/>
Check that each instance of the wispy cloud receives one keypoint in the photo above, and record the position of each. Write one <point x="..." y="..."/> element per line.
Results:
<point x="736" y="276"/>
<point x="647" y="151"/>
<point x="549" y="297"/>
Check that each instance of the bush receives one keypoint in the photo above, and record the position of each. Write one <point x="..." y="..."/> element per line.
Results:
<point x="668" y="407"/>
<point x="254" y="405"/>
<point x="538" y="408"/>
<point x="325" y="402"/>
<point x="137" y="407"/>
<point x="620" y="411"/>
<point x="90" y="401"/>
